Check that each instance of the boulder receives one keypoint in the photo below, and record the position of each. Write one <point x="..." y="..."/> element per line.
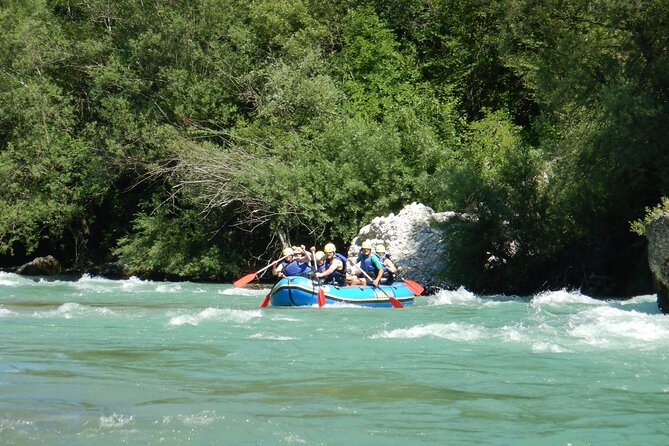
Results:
<point x="657" y="234"/>
<point x="112" y="270"/>
<point x="41" y="266"/>
<point x="414" y="240"/>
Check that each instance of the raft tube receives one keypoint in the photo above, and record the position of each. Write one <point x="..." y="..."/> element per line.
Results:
<point x="301" y="291"/>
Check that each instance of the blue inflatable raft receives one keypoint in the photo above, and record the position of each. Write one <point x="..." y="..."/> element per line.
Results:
<point x="301" y="291"/>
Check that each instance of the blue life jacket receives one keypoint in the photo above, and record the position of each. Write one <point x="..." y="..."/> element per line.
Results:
<point x="388" y="276"/>
<point x="367" y="264"/>
<point x="383" y="259"/>
<point x="339" y="275"/>
<point x="295" y="268"/>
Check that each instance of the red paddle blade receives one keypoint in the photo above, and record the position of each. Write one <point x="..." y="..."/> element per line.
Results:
<point x="414" y="287"/>
<point x="321" y="297"/>
<point x="265" y="301"/>
<point x="395" y="303"/>
<point x="244" y="280"/>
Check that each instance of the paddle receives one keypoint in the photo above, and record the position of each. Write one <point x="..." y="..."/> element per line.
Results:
<point x="414" y="287"/>
<point x="321" y="294"/>
<point x="249" y="277"/>
<point x="265" y="301"/>
<point x="394" y="302"/>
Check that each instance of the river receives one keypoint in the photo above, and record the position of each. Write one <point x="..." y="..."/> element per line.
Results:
<point x="103" y="362"/>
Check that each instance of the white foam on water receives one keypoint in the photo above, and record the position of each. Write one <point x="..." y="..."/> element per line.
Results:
<point x="136" y="284"/>
<point x="5" y="312"/>
<point x="168" y="288"/>
<point x="105" y="311"/>
<point x="283" y="318"/>
<point x="293" y="438"/>
<point x="94" y="284"/>
<point x="452" y="331"/>
<point x="114" y="420"/>
<point x="272" y="337"/>
<point x="563" y="298"/>
<point x="218" y="314"/>
<point x="548" y="347"/>
<point x="645" y="304"/>
<point x="497" y="301"/>
<point x="199" y="419"/>
<point x="69" y="310"/>
<point x="203" y="418"/>
<point x="11" y="279"/>
<point x="15" y="280"/>
<point x="450" y="297"/>
<point x="244" y="292"/>
<point x="646" y="298"/>
<point x="610" y="327"/>
<point x="87" y="278"/>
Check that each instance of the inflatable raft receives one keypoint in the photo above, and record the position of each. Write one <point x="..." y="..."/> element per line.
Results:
<point x="301" y="291"/>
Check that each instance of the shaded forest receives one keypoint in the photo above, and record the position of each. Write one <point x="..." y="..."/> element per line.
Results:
<point x="187" y="139"/>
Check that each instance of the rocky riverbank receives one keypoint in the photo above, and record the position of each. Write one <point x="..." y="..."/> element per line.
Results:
<point x="657" y="234"/>
<point x="50" y="266"/>
<point x="413" y="237"/>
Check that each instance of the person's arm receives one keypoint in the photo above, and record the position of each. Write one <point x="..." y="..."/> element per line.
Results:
<point x="390" y="265"/>
<point x="379" y="273"/>
<point x="328" y="271"/>
<point x="277" y="270"/>
<point x="355" y="268"/>
<point x="307" y="254"/>
<point x="378" y="277"/>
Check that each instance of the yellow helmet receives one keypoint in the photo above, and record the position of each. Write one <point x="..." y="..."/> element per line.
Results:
<point x="330" y="247"/>
<point x="367" y="244"/>
<point x="288" y="252"/>
<point x="320" y="255"/>
<point x="380" y="249"/>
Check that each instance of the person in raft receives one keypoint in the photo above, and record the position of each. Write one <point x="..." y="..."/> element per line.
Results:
<point x="303" y="257"/>
<point x="334" y="267"/>
<point x="389" y="268"/>
<point x="370" y="264"/>
<point x="291" y="265"/>
<point x="320" y="261"/>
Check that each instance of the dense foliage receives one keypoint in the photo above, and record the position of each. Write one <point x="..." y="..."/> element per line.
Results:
<point x="189" y="138"/>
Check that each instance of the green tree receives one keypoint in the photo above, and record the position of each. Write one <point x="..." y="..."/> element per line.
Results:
<point x="50" y="175"/>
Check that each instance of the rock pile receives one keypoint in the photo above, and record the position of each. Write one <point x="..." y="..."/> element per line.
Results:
<point x="413" y="239"/>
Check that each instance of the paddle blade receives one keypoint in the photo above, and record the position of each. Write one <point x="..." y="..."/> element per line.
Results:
<point x="265" y="301"/>
<point x="321" y="297"/>
<point x="414" y="287"/>
<point x="395" y="303"/>
<point x="244" y="280"/>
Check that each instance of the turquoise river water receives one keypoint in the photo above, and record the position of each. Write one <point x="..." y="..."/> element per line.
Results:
<point x="102" y="362"/>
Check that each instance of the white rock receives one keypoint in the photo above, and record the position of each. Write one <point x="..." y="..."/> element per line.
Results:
<point x="416" y="246"/>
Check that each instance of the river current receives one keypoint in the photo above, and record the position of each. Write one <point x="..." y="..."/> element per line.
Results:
<point x="102" y="362"/>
